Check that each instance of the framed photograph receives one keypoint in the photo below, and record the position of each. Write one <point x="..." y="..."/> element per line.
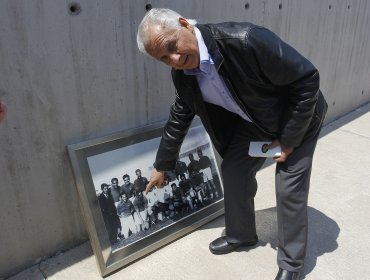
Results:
<point x="123" y="222"/>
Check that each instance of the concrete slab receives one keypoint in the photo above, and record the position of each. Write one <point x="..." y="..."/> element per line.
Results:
<point x="339" y="225"/>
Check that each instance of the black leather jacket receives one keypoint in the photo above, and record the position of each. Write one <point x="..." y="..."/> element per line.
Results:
<point x="275" y="86"/>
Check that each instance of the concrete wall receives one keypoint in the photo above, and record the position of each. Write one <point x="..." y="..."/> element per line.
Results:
<point x="67" y="78"/>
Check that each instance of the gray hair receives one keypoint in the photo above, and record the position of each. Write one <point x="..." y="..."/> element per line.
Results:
<point x="166" y="18"/>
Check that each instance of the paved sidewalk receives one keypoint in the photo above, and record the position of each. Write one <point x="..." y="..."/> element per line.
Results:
<point x="339" y="208"/>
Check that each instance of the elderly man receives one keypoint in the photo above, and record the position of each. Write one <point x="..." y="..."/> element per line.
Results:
<point x="245" y="84"/>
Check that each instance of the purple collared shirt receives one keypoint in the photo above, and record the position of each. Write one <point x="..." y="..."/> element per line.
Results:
<point x="211" y="84"/>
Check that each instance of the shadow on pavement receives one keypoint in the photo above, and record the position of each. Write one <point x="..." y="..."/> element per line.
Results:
<point x="322" y="235"/>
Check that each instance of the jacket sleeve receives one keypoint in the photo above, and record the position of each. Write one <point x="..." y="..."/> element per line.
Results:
<point x="174" y="132"/>
<point x="299" y="80"/>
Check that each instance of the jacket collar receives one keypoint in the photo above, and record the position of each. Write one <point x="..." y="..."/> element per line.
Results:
<point x="211" y="45"/>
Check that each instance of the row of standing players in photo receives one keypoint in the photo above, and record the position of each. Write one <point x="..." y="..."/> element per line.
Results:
<point x="128" y="210"/>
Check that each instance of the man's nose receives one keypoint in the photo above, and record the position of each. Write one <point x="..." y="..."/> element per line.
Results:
<point x="175" y="57"/>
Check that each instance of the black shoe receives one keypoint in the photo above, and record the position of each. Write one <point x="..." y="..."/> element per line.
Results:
<point x="287" y="275"/>
<point x="221" y="246"/>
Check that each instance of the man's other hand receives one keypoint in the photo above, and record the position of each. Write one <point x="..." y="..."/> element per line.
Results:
<point x="285" y="151"/>
<point x="156" y="179"/>
<point x="2" y="111"/>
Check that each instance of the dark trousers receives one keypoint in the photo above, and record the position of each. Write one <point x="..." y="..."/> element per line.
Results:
<point x="292" y="179"/>
<point x="112" y="224"/>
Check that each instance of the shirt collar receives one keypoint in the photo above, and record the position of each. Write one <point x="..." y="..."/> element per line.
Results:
<point x="205" y="59"/>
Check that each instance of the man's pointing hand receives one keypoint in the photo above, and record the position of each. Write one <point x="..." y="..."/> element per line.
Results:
<point x="156" y="179"/>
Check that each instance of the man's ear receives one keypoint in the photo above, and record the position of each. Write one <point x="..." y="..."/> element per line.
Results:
<point x="184" y="23"/>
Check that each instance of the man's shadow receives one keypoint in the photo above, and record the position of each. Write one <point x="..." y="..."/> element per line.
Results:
<point x="322" y="234"/>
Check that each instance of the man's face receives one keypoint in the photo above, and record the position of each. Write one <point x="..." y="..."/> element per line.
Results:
<point x="138" y="174"/>
<point x="124" y="198"/>
<point x="178" y="49"/>
<point x="114" y="184"/>
<point x="105" y="189"/>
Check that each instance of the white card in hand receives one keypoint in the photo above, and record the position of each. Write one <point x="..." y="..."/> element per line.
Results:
<point x="260" y="149"/>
